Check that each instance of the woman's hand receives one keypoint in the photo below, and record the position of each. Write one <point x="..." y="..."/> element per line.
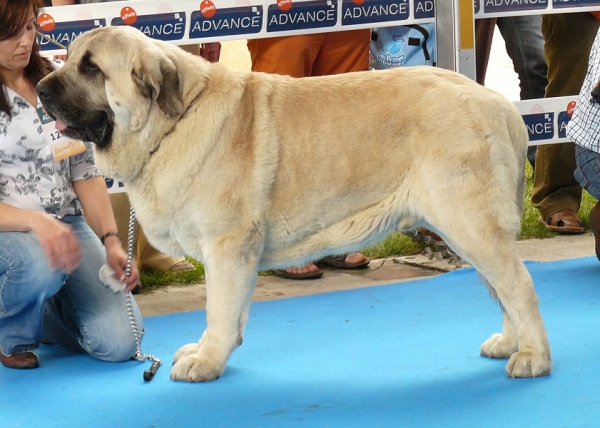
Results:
<point x="58" y="241"/>
<point x="117" y="260"/>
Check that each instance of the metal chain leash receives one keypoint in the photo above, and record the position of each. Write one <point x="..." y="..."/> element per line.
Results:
<point x="148" y="374"/>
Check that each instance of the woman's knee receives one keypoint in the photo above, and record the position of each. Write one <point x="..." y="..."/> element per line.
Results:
<point x="23" y="264"/>
<point x="116" y="336"/>
<point x="116" y="348"/>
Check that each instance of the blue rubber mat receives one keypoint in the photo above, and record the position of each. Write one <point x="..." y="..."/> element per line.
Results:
<point x="400" y="355"/>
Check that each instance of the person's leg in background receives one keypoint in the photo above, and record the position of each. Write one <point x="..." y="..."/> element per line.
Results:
<point x="484" y="35"/>
<point x="525" y="46"/>
<point x="314" y="55"/>
<point x="291" y="55"/>
<point x="343" y="52"/>
<point x="556" y="192"/>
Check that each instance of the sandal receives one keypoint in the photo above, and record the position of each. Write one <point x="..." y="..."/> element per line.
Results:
<point x="341" y="263"/>
<point x="563" y="221"/>
<point x="282" y="273"/>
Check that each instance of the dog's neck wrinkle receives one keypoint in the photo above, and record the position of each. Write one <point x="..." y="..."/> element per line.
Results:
<point x="172" y="129"/>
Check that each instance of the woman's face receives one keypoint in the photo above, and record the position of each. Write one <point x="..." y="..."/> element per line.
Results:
<point x="16" y="51"/>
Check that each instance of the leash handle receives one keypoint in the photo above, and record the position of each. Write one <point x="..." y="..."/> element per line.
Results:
<point x="50" y="39"/>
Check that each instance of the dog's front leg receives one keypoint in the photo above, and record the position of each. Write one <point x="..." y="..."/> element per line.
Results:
<point x="230" y="283"/>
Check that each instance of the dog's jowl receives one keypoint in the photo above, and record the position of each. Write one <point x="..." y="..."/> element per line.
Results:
<point x="250" y="171"/>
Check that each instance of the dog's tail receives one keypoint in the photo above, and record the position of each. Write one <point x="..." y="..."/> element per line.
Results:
<point x="508" y="163"/>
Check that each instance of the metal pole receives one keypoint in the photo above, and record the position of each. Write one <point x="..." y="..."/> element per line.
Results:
<point x="455" y="33"/>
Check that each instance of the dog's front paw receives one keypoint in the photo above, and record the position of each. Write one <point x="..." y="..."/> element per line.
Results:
<point x="189" y="349"/>
<point x="528" y="364"/>
<point x="499" y="346"/>
<point x="193" y="368"/>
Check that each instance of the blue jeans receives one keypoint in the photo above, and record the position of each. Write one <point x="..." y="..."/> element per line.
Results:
<point x="587" y="172"/>
<point x="76" y="311"/>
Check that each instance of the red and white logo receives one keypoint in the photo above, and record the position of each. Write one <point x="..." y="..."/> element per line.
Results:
<point x="571" y="108"/>
<point x="207" y="9"/>
<point x="537" y="109"/>
<point x="46" y="23"/>
<point x="284" y="5"/>
<point x="358" y="2"/>
<point x="128" y="15"/>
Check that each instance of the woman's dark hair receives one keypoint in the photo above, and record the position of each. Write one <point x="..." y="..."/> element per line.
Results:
<point x="14" y="15"/>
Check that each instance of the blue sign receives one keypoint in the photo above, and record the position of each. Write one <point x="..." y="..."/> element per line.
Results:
<point x="540" y="126"/>
<point x="563" y="120"/>
<point x="304" y="15"/>
<point x="227" y="22"/>
<point x="65" y="32"/>
<point x="110" y="183"/>
<point x="571" y="3"/>
<point x="373" y="11"/>
<point x="424" y="9"/>
<point x="476" y="6"/>
<point x="513" y="5"/>
<point x="162" y="26"/>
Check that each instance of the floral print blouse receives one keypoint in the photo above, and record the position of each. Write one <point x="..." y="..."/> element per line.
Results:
<point x="30" y="178"/>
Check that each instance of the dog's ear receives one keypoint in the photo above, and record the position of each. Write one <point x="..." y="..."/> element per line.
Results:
<point x="158" y="80"/>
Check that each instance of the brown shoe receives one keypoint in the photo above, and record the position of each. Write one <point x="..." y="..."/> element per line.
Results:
<point x="563" y="221"/>
<point x="20" y="360"/>
<point x="595" y="225"/>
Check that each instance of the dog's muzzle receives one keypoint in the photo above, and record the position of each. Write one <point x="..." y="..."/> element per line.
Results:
<point x="95" y="126"/>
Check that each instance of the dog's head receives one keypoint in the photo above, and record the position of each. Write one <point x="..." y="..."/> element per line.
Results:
<point x="116" y="82"/>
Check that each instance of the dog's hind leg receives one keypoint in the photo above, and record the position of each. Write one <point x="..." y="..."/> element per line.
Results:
<point x="491" y="249"/>
<point x="523" y="329"/>
<point x="230" y="280"/>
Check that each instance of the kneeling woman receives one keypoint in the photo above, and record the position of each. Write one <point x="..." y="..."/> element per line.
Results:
<point x="49" y="256"/>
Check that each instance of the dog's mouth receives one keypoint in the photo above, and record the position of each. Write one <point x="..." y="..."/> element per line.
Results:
<point x="98" y="131"/>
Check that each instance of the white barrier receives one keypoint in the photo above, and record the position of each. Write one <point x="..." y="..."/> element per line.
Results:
<point x="223" y="20"/>
<point x="199" y="21"/>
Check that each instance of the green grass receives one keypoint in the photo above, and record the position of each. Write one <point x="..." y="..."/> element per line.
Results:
<point x="396" y="244"/>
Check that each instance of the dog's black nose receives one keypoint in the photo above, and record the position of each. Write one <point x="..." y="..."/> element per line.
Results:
<point x="43" y="91"/>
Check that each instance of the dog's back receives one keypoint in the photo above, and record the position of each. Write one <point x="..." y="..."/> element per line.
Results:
<point x="388" y="141"/>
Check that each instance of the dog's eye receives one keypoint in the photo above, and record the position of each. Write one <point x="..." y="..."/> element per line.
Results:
<point x="91" y="67"/>
<point x="88" y="67"/>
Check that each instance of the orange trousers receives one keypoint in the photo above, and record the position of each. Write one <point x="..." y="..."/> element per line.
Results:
<point x="312" y="54"/>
